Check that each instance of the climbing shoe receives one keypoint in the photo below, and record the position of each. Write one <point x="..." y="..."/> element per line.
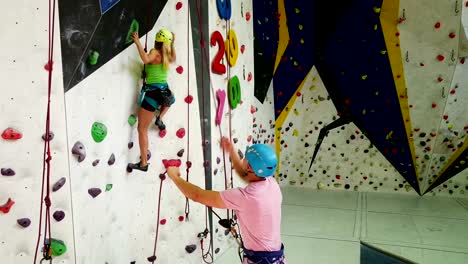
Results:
<point x="160" y="124"/>
<point x="136" y="166"/>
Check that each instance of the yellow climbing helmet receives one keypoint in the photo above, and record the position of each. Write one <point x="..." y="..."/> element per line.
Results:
<point x="164" y="35"/>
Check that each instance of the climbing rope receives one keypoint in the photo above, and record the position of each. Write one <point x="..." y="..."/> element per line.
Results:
<point x="47" y="157"/>
<point x="162" y="176"/>
<point x="188" y="164"/>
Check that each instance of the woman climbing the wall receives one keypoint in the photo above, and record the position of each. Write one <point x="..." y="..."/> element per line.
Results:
<point x="155" y="93"/>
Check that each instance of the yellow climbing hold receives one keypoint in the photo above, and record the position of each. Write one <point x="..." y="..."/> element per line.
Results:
<point x="296" y="112"/>
<point x="363" y="111"/>
<point x="389" y="135"/>
<point x="450" y="126"/>
<point x="302" y="41"/>
<point x="297" y="10"/>
<point x="316" y="101"/>
<point x="376" y="27"/>
<point x="295" y="63"/>
<point x="295" y="133"/>
<point x="462" y="162"/>
<point x="300" y="27"/>
<point x="383" y="52"/>
<point x="312" y="88"/>
<point x="364" y="77"/>
<point x="377" y="10"/>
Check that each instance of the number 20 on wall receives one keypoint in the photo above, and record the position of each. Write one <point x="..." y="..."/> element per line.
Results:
<point x="232" y="51"/>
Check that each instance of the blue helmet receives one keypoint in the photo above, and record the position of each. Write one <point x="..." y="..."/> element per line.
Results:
<point x="262" y="159"/>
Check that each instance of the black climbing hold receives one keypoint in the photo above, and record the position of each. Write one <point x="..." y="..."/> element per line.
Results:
<point x="59" y="184"/>
<point x="226" y="232"/>
<point x="290" y="124"/>
<point x="306" y="145"/>
<point x="24" y="222"/>
<point x="51" y="136"/>
<point x="94" y="192"/>
<point x="130" y="145"/>
<point x="217" y="251"/>
<point x="79" y="150"/>
<point x="190" y="248"/>
<point x="95" y="163"/>
<point x="162" y="176"/>
<point x="7" y="172"/>
<point x="241" y="155"/>
<point x="59" y="215"/>
<point x="152" y="258"/>
<point x="347" y="186"/>
<point x="215" y="171"/>
<point x="111" y="160"/>
<point x="422" y="134"/>
<point x="133" y="262"/>
<point x="180" y="153"/>
<point x="422" y="143"/>
<point x="235" y="140"/>
<point x="218" y="160"/>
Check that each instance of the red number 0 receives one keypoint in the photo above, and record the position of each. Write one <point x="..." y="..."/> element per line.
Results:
<point x="216" y="65"/>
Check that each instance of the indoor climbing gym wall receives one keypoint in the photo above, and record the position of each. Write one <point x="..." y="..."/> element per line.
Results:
<point x="368" y="97"/>
<point x="102" y="211"/>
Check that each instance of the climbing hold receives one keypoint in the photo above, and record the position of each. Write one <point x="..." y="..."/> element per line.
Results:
<point x="252" y="109"/>
<point x="437" y="25"/>
<point x="108" y="187"/>
<point x="242" y="49"/>
<point x="148" y="155"/>
<point x="134" y="27"/>
<point x="130" y="145"/>
<point x="51" y="136"/>
<point x="7" y="172"/>
<point x="249" y="78"/>
<point x="241" y="155"/>
<point x="7" y="206"/>
<point x="57" y="247"/>
<point x="452" y="35"/>
<point x="320" y="185"/>
<point x="95" y="163"/>
<point x="48" y="66"/>
<point x="249" y="138"/>
<point x="171" y="163"/>
<point x="247" y="16"/>
<point x="59" y="215"/>
<point x="162" y="176"/>
<point x="440" y="58"/>
<point x="94" y="192"/>
<point x="188" y="99"/>
<point x="98" y="132"/>
<point x="79" y="150"/>
<point x="111" y="160"/>
<point x="180" y="133"/>
<point x="162" y="133"/>
<point x="132" y="120"/>
<point x="93" y="57"/>
<point x="178" y="5"/>
<point x="188" y="164"/>
<point x="300" y="27"/>
<point x="163" y="221"/>
<point x="376" y="10"/>
<point x="24" y="222"/>
<point x="152" y="258"/>
<point x="217" y="250"/>
<point x="364" y="77"/>
<point x="235" y="140"/>
<point x="181" y="218"/>
<point x="190" y="248"/>
<point x="59" y="184"/>
<point x="180" y="69"/>
<point x="215" y="171"/>
<point x="11" y="134"/>
<point x="180" y="153"/>
<point x="295" y="133"/>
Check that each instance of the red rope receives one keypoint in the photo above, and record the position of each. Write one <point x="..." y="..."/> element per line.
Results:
<point x="47" y="157"/>
<point x="187" y="203"/>
<point x="162" y="177"/>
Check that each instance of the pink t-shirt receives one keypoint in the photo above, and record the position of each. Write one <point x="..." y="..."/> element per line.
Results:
<point x="258" y="210"/>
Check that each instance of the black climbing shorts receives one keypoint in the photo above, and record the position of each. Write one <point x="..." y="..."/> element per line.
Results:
<point x="152" y="100"/>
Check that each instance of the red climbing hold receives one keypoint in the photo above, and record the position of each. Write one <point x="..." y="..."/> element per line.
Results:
<point x="397" y="34"/>
<point x="280" y="93"/>
<point x="6" y="207"/>
<point x="188" y="99"/>
<point x="180" y="70"/>
<point x="188" y="164"/>
<point x="445" y="117"/>
<point x="452" y="35"/>
<point x="462" y="60"/>
<point x="180" y="133"/>
<point x="401" y="20"/>
<point x="440" y="79"/>
<point x="163" y="221"/>
<point x="11" y="134"/>
<point x="249" y="78"/>
<point x="48" y="66"/>
<point x="181" y="218"/>
<point x="434" y="105"/>
<point x="437" y="25"/>
<point x="298" y="94"/>
<point x="466" y="4"/>
<point x="440" y="58"/>
<point x="171" y="163"/>
<point x="338" y="177"/>
<point x="453" y="91"/>
<point x="178" y="5"/>
<point x="348" y="101"/>
<point x="249" y="138"/>
<point x="162" y="133"/>
<point x="247" y="16"/>
<point x="252" y="109"/>
<point x="242" y="49"/>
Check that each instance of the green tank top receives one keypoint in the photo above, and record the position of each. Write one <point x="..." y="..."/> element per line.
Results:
<point x="156" y="73"/>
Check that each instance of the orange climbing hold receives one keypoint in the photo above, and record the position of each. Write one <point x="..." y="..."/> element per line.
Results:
<point x="11" y="134"/>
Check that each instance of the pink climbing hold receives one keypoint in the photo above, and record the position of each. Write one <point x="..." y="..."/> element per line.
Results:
<point x="250" y="77"/>
<point x="11" y="134"/>
<point x="180" y="133"/>
<point x="242" y="49"/>
<point x="181" y="218"/>
<point x="163" y="221"/>
<point x="249" y="138"/>
<point x="252" y="109"/>
<point x="178" y="5"/>
<point x="180" y="70"/>
<point x="48" y="66"/>
<point x="189" y="99"/>
<point x="188" y="164"/>
<point x="162" y="133"/>
<point x="7" y="206"/>
<point x="171" y="163"/>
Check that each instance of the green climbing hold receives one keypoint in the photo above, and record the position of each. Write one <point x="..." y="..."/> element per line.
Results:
<point x="93" y="57"/>
<point x="134" y="27"/>
<point x="98" y="132"/>
<point x="132" y="120"/>
<point x="426" y="157"/>
<point x="57" y="247"/>
<point x="442" y="159"/>
<point x="108" y="187"/>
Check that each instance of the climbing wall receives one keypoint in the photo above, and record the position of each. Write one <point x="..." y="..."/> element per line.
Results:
<point x="22" y="125"/>
<point x="232" y="102"/>
<point x="112" y="204"/>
